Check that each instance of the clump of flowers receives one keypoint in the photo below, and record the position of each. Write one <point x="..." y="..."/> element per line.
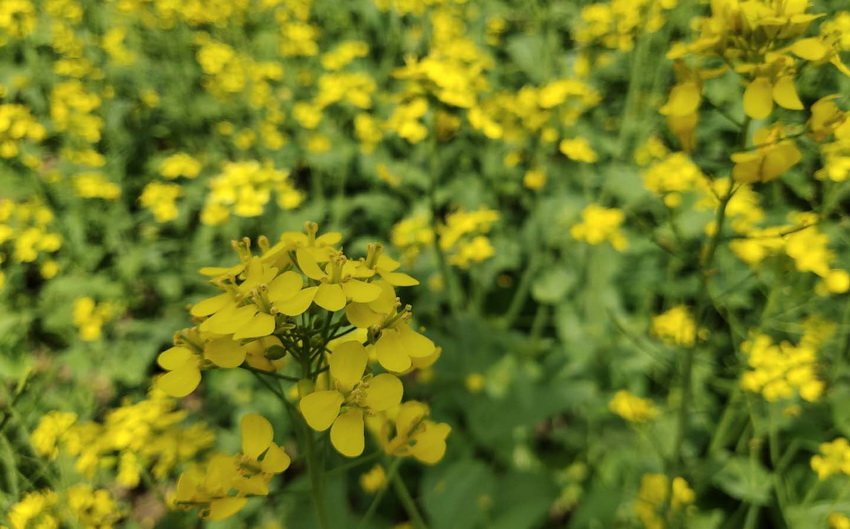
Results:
<point x="652" y="500"/>
<point x="135" y="438"/>
<point x="90" y="316"/>
<point x="781" y="371"/>
<point x="301" y="305"/>
<point x="675" y="326"/>
<point x="601" y="225"/>
<point x="463" y="236"/>
<point x="632" y="408"/>
<point x="79" y="505"/>
<point x="27" y="236"/>
<point x="833" y="458"/>
<point x="244" y="188"/>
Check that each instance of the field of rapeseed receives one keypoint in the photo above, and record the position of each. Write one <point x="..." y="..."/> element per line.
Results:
<point x="410" y="264"/>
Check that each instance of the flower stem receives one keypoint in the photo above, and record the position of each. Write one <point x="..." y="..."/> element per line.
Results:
<point x="317" y="485"/>
<point x="391" y="472"/>
<point x="408" y="502"/>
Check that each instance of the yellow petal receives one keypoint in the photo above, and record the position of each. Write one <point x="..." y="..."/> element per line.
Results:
<point x="180" y="382"/>
<point x="275" y="460"/>
<point x="758" y="100"/>
<point x="224" y="352"/>
<point x="330" y="297"/>
<point x="360" y="315"/>
<point x="211" y="305"/>
<point x="309" y="265"/>
<point x="229" y="319"/>
<point x="360" y="291"/>
<point x="173" y="358"/>
<point x="321" y="408"/>
<point x="785" y="94"/>
<point x="261" y="324"/>
<point x="390" y="354"/>
<point x="410" y="414"/>
<point x="684" y="99"/>
<point x="285" y="286"/>
<point x="399" y="279"/>
<point x="226" y="507"/>
<point x="257" y="434"/>
<point x="747" y="172"/>
<point x="213" y="271"/>
<point x="385" y="391"/>
<point x="347" y="433"/>
<point x="347" y="363"/>
<point x="811" y="49"/>
<point x="387" y="263"/>
<point x="299" y="303"/>
<point x="413" y="343"/>
<point x="430" y="445"/>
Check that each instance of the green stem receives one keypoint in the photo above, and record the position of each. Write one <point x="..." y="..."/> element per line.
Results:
<point x="317" y="485"/>
<point x="408" y="502"/>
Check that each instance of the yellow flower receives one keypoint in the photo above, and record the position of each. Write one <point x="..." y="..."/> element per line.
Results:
<point x="373" y="480"/>
<point x="652" y="498"/>
<point x="248" y="473"/>
<point x="410" y="434"/>
<point x="838" y="521"/>
<point x="600" y="225"/>
<point x="90" y="317"/>
<point x="161" y="199"/>
<point x="180" y="164"/>
<point x="781" y="371"/>
<point x="354" y="393"/>
<point x="578" y="149"/>
<point x="773" y="154"/>
<point x="675" y="326"/>
<point x="633" y="409"/>
<point x="834" y="458"/>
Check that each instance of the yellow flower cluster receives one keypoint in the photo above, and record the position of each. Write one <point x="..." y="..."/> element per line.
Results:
<point x="781" y="371"/>
<point x="617" y="23"/>
<point x="180" y="164"/>
<point x="135" y="438"/>
<point x="672" y="176"/>
<point x="79" y="506"/>
<point x="632" y="408"/>
<point x="652" y="500"/>
<point x="373" y="480"/>
<point x="763" y="42"/>
<point x="675" y="326"/>
<point x="71" y="110"/>
<point x="412" y="234"/>
<point x="601" y="225"/>
<point x="800" y="240"/>
<point x="464" y="236"/>
<point x="161" y="199"/>
<point x="17" y="125"/>
<point x="578" y="149"/>
<point x="26" y="225"/>
<point x="89" y="317"/>
<point x="244" y="188"/>
<point x="405" y="431"/>
<point x="834" y="458"/>
<point x="17" y="20"/>
<point x="290" y="294"/>
<point x="95" y="185"/>
<point x="208" y="487"/>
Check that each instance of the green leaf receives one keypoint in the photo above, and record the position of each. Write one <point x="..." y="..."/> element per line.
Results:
<point x="458" y="496"/>
<point x="553" y="285"/>
<point x="745" y="479"/>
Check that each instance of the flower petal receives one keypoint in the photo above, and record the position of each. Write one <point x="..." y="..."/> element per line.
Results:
<point x="347" y="433"/>
<point x="360" y="291"/>
<point x="308" y="264"/>
<point x="430" y="445"/>
<point x="226" y="507"/>
<point x="321" y="408"/>
<point x="299" y="303"/>
<point x="285" y="286"/>
<point x="347" y="363"/>
<point x="413" y="343"/>
<point x="261" y="324"/>
<point x="224" y="352"/>
<point x="810" y="49"/>
<point x="180" y="382"/>
<point x="211" y="305"/>
<point x="330" y="297"/>
<point x="173" y="358"/>
<point x="257" y="434"/>
<point x="758" y="100"/>
<point x="389" y="352"/>
<point x="275" y="460"/>
<point x="360" y="315"/>
<point x="785" y="94"/>
<point x="399" y="279"/>
<point x="385" y="391"/>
